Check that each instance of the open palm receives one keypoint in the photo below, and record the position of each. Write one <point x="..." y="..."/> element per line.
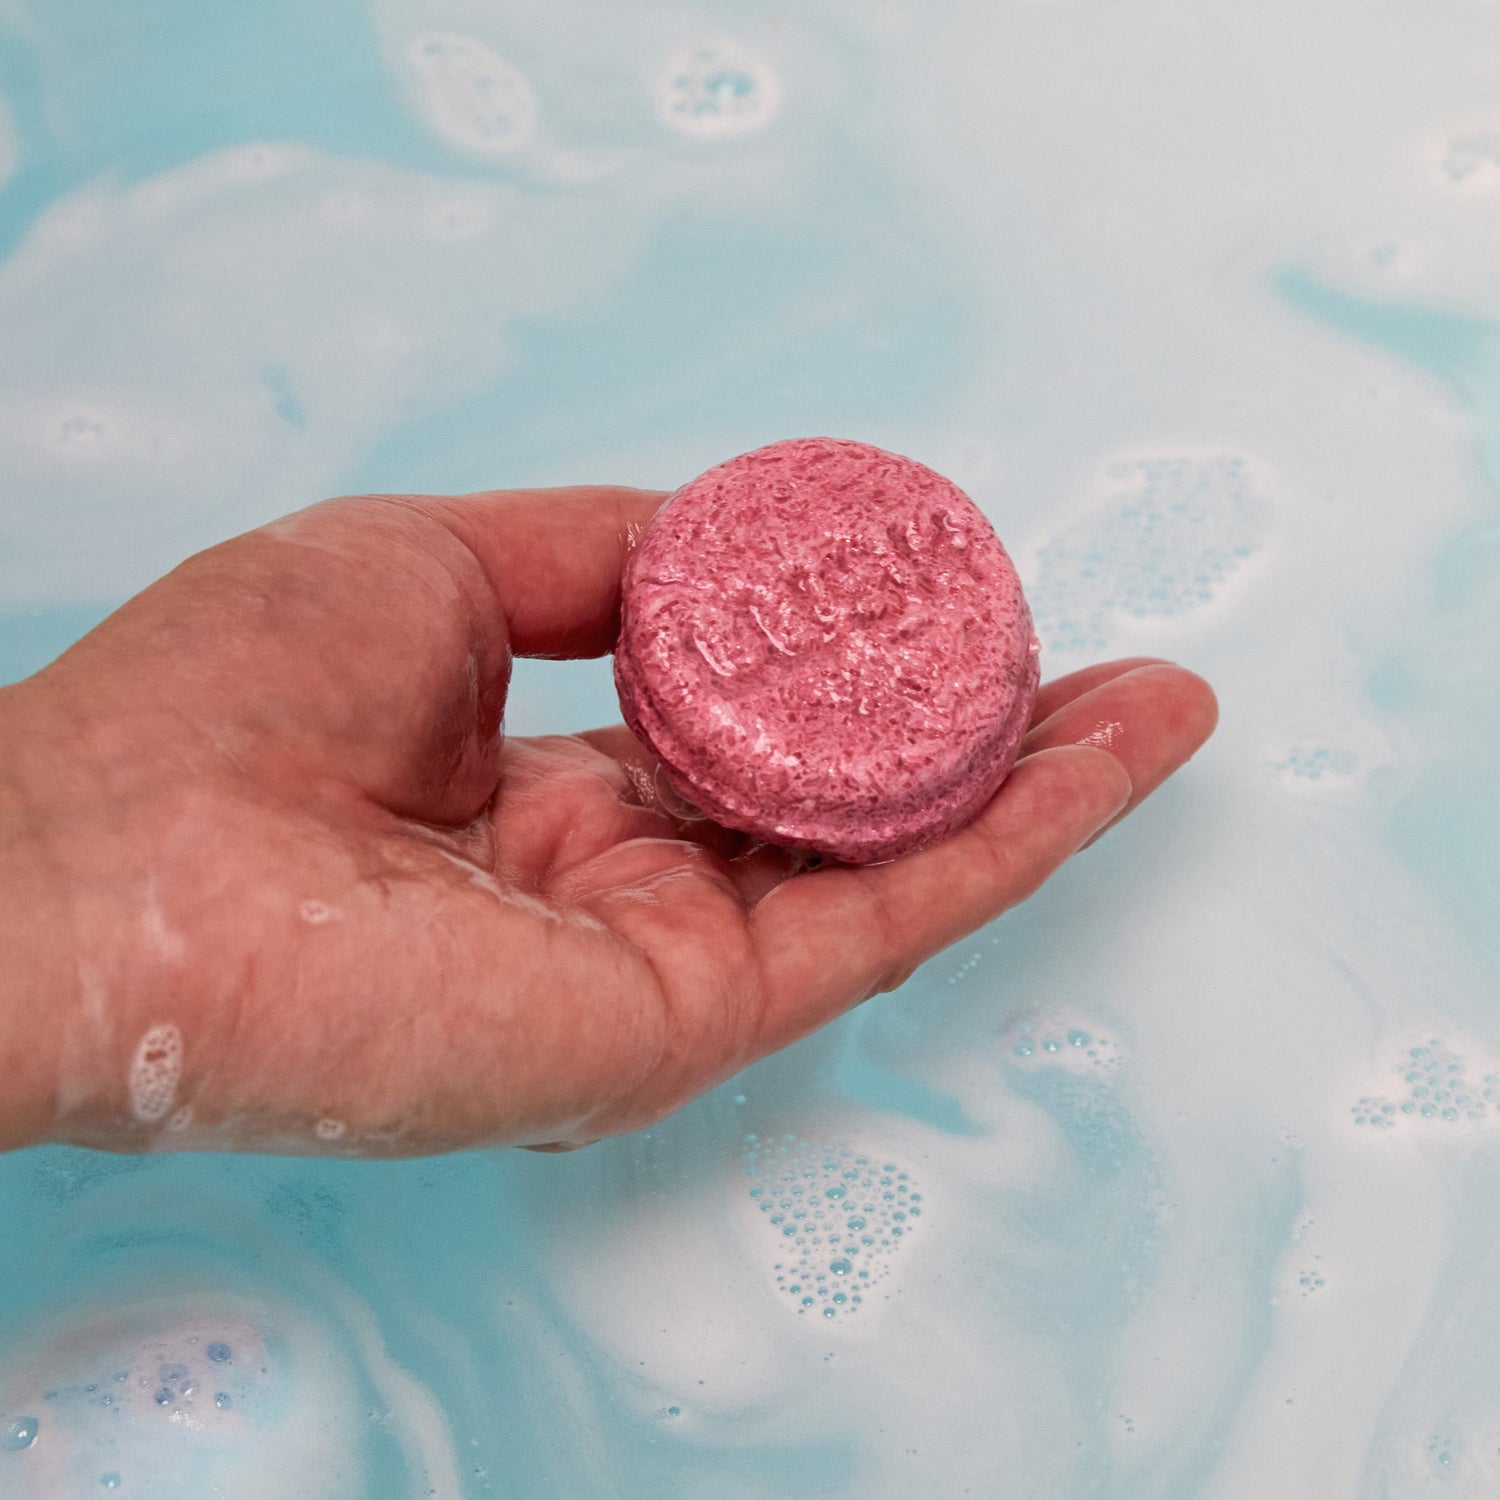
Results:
<point x="335" y="909"/>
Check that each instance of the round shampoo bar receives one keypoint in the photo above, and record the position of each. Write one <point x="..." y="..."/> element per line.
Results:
<point x="827" y="647"/>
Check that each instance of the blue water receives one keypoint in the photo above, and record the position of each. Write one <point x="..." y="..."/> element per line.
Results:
<point x="1220" y="358"/>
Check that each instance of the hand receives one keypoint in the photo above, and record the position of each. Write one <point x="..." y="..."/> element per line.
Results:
<point x="283" y="885"/>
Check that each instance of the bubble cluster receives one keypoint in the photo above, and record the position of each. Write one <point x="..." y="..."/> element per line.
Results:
<point x="1169" y="533"/>
<point x="967" y="967"/>
<point x="113" y="1408"/>
<point x="1314" y="762"/>
<point x="717" y="90"/>
<point x="472" y="96"/>
<point x="87" y="434"/>
<point x="1311" y="1280"/>
<point x="1438" y="1089"/>
<point x="1471" y="162"/>
<point x="1049" y="1042"/>
<point x="81" y="432"/>
<point x="842" y="1217"/>
<point x="169" y="1399"/>
<point x="155" y="1069"/>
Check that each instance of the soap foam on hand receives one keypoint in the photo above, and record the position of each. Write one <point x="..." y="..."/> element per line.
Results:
<point x="827" y="648"/>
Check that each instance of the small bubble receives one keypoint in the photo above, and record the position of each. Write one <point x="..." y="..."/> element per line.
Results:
<point x="223" y="1400"/>
<point x="218" y="1352"/>
<point x="1023" y="1048"/>
<point x="840" y="1267"/>
<point x="110" y="1481"/>
<point x="1078" y="1038"/>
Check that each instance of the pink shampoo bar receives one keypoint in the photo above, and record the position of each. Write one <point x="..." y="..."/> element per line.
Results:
<point x="827" y="648"/>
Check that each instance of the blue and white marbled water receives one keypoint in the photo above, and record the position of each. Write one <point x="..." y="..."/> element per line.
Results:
<point x="1201" y="1143"/>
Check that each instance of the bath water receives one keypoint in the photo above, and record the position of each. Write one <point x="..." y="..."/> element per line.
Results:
<point x="1179" y="1181"/>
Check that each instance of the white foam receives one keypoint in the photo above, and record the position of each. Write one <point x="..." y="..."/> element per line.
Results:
<point x="470" y="95"/>
<point x="717" y="90"/>
<point x="1161" y="541"/>
<point x="194" y="1397"/>
<point x="155" y="1071"/>
<point x="233" y="370"/>
<point x="1468" y="159"/>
